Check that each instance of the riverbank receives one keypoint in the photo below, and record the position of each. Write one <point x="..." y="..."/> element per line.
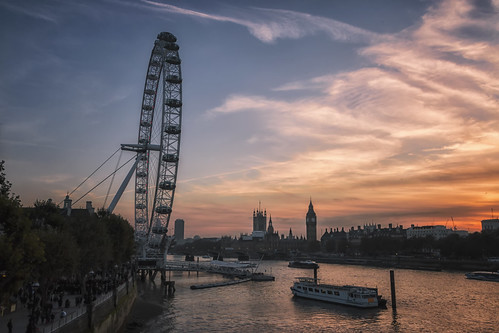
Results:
<point x="405" y="262"/>
<point x="140" y="313"/>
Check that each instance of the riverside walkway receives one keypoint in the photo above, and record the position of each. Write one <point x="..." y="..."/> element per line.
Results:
<point x="20" y="317"/>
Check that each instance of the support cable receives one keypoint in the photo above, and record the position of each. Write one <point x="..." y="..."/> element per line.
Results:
<point x="112" y="180"/>
<point x="102" y="181"/>
<point x="77" y="187"/>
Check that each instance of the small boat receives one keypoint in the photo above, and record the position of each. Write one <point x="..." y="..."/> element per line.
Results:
<point x="189" y="257"/>
<point x="303" y="264"/>
<point x="484" y="276"/>
<point x="361" y="297"/>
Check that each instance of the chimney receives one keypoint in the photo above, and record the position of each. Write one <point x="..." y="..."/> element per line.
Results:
<point x="90" y="208"/>
<point x="67" y="205"/>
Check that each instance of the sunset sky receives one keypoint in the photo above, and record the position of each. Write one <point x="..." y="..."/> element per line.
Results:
<point x="379" y="111"/>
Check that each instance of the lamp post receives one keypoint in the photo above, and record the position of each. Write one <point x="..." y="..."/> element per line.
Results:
<point x="89" y="297"/>
<point x="32" y="321"/>
<point x="115" y="285"/>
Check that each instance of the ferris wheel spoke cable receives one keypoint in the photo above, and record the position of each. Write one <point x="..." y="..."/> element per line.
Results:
<point x="102" y="181"/>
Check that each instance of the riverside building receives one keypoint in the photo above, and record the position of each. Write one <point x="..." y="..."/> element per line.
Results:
<point x="436" y="231"/>
<point x="491" y="224"/>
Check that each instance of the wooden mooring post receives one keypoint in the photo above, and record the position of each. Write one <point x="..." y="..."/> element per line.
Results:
<point x="392" y="286"/>
<point x="169" y="286"/>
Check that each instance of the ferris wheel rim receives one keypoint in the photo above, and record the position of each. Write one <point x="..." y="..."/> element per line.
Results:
<point x="151" y="223"/>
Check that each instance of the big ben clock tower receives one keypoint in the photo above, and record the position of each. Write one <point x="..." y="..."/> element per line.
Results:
<point x="311" y="221"/>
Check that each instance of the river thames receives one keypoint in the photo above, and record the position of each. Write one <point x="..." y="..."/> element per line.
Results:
<point x="426" y="302"/>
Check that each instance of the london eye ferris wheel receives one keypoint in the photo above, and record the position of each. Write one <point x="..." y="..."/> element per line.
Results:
<point x="157" y="147"/>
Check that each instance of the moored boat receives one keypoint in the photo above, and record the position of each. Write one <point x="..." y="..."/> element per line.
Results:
<point x="484" y="276"/>
<point x="361" y="297"/>
<point x="303" y="264"/>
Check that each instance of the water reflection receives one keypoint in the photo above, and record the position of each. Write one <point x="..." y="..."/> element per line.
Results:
<point x="395" y="323"/>
<point x="426" y="301"/>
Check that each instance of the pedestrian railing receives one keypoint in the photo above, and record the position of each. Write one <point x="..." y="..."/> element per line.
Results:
<point x="80" y="311"/>
<point x="56" y="324"/>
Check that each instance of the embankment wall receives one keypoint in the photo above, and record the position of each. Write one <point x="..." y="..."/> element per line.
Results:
<point x="107" y="317"/>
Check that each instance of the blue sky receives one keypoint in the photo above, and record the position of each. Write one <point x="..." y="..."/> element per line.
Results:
<point x="381" y="111"/>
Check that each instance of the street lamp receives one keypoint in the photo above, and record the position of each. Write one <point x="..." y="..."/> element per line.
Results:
<point x="32" y="322"/>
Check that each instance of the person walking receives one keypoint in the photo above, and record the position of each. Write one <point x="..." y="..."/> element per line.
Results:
<point x="9" y="325"/>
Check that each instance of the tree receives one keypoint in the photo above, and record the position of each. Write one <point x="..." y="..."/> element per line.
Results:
<point x="61" y="255"/>
<point x="21" y="250"/>
<point x="92" y="239"/>
<point x="121" y="235"/>
<point x="47" y="213"/>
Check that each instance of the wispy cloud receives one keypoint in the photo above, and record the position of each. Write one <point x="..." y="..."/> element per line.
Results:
<point x="268" y="25"/>
<point x="37" y="13"/>
<point x="419" y="127"/>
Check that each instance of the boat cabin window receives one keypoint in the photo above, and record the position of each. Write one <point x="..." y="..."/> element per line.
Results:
<point x="323" y="291"/>
<point x="329" y="292"/>
<point x="299" y="287"/>
<point x="310" y="289"/>
<point x="337" y="293"/>
<point x="316" y="290"/>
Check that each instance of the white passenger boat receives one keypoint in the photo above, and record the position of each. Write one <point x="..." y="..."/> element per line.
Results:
<point x="303" y="264"/>
<point x="361" y="297"/>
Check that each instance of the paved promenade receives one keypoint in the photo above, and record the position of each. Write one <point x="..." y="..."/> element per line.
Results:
<point x="20" y="317"/>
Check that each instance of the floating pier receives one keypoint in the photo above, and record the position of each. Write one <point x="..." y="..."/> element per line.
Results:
<point x="219" y="284"/>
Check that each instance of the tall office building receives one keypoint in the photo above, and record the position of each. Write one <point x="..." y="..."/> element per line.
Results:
<point x="179" y="229"/>
<point x="311" y="221"/>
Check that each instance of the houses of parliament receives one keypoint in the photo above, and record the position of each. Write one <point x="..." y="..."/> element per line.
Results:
<point x="262" y="231"/>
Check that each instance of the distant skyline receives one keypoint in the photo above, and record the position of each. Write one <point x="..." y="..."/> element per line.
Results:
<point x="380" y="111"/>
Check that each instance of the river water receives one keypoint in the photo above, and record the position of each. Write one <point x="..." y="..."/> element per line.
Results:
<point x="426" y="302"/>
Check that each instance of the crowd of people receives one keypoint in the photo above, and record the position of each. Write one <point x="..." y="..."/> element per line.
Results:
<point x="53" y="301"/>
